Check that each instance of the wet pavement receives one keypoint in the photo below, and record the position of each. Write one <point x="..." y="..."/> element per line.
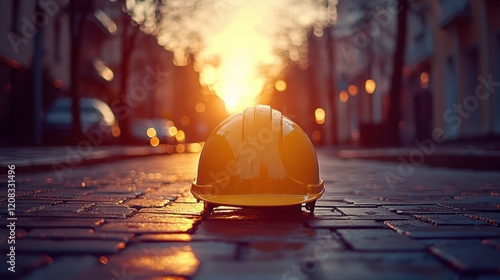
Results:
<point x="136" y="219"/>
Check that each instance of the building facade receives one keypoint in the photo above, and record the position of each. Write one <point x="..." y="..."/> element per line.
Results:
<point x="37" y="41"/>
<point x="466" y="66"/>
<point x="452" y="69"/>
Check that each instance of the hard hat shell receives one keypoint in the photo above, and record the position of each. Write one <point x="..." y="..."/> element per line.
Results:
<point x="256" y="158"/>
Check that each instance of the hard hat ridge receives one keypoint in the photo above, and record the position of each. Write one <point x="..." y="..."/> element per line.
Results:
<point x="258" y="157"/>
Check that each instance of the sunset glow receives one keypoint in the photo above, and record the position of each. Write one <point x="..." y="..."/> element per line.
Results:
<point x="240" y="49"/>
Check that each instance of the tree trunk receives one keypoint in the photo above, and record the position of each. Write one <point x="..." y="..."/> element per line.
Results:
<point x="128" y="38"/>
<point x="398" y="62"/>
<point x="75" y="97"/>
<point x="331" y="88"/>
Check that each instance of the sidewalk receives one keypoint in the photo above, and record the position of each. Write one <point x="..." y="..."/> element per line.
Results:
<point x="136" y="219"/>
<point x="29" y="159"/>
<point x="477" y="157"/>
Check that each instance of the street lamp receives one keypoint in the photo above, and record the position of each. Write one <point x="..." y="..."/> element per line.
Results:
<point x="353" y="90"/>
<point x="319" y="115"/>
<point x="370" y="86"/>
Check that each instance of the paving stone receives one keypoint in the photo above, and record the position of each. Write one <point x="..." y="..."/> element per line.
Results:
<point x="492" y="242"/>
<point x="344" y="223"/>
<point x="59" y="194"/>
<point x="362" y="201"/>
<point x="140" y="227"/>
<point x="473" y="196"/>
<point x="408" y="196"/>
<point x="268" y="214"/>
<point x="329" y="204"/>
<point x="450" y="231"/>
<point x="365" y="211"/>
<point x="164" y="218"/>
<point x="67" y="267"/>
<point x="69" y="246"/>
<point x="236" y="230"/>
<point x="81" y="211"/>
<point x="473" y="206"/>
<point x="152" y="194"/>
<point x="176" y="208"/>
<point x="490" y="218"/>
<point x="23" y="206"/>
<point x="421" y="209"/>
<point x="164" y="237"/>
<point x="248" y="270"/>
<point x="401" y="226"/>
<point x="146" y="202"/>
<point x="176" y="189"/>
<point x="449" y="220"/>
<point x="186" y="199"/>
<point x="326" y="213"/>
<point x="149" y="260"/>
<point x="468" y="256"/>
<point x="371" y="213"/>
<point x="267" y="250"/>
<point x="243" y="243"/>
<point x="77" y="233"/>
<point x="378" y="265"/>
<point x="113" y="192"/>
<point x="109" y="210"/>
<point x="336" y="197"/>
<point x="378" y="239"/>
<point x="61" y="209"/>
<point x="50" y="222"/>
<point x="100" y="198"/>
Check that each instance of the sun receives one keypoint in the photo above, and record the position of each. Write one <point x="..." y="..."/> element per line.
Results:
<point x="240" y="50"/>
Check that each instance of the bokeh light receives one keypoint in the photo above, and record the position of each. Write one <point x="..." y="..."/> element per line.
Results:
<point x="280" y="85"/>
<point x="320" y="115"/>
<point x="151" y="132"/>
<point x="370" y="86"/>
<point x="104" y="71"/>
<point x="353" y="90"/>
<point x="194" y="147"/>
<point x="103" y="259"/>
<point x="200" y="107"/>
<point x="172" y="131"/>
<point x="180" y="148"/>
<point x="185" y="120"/>
<point x="180" y="136"/>
<point x="154" y="141"/>
<point x="115" y="131"/>
<point x="343" y="96"/>
<point x="424" y="80"/>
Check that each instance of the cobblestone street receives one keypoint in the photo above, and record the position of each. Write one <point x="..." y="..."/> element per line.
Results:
<point x="136" y="219"/>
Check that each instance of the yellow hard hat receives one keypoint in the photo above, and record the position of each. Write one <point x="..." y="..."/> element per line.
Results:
<point x="258" y="158"/>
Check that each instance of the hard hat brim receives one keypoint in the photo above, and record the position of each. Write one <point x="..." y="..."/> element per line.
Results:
<point x="258" y="200"/>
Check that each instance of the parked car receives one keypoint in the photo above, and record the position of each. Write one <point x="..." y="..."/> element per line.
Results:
<point x="144" y="129"/>
<point x="98" y="122"/>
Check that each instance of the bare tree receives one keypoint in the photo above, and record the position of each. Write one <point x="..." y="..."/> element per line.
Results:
<point x="398" y="62"/>
<point x="79" y="10"/>
<point x="149" y="13"/>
